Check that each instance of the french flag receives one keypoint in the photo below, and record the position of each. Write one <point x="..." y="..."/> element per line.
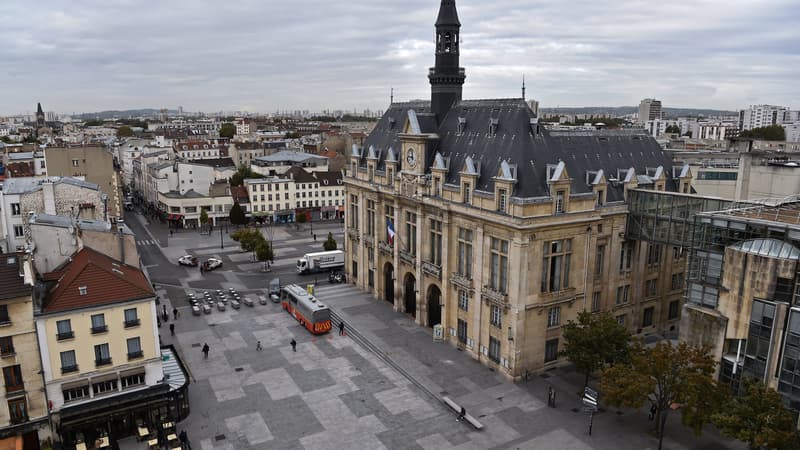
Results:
<point x="390" y="230"/>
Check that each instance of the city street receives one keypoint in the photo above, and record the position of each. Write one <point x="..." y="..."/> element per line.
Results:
<point x="335" y="392"/>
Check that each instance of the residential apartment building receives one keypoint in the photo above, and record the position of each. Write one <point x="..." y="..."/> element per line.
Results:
<point x="243" y="153"/>
<point x="183" y="210"/>
<point x="649" y="109"/>
<point x="189" y="150"/>
<point x="758" y="116"/>
<point x="93" y="162"/>
<point x="318" y="195"/>
<point x="467" y="214"/>
<point x="24" y="420"/>
<point x="102" y="362"/>
<point x="21" y="197"/>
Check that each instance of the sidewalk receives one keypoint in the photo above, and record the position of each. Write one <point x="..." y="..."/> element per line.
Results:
<point x="516" y="409"/>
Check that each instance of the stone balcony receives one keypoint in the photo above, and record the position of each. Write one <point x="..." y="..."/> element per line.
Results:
<point x="369" y="240"/>
<point x="353" y="235"/>
<point x="458" y="280"/>
<point x="432" y="269"/>
<point x="385" y="247"/>
<point x="492" y="296"/>
<point x="408" y="258"/>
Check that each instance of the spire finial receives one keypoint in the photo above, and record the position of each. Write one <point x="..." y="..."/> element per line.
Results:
<point x="391" y="95"/>
<point x="523" y="86"/>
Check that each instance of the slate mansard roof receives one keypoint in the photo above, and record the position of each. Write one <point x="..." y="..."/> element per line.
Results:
<point x="517" y="139"/>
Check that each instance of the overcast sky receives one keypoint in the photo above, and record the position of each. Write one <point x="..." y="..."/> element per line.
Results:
<point x="264" y="55"/>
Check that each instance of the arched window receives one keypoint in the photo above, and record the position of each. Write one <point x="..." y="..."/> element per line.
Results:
<point x="447" y="42"/>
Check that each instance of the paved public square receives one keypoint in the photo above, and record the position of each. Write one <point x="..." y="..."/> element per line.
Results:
<point x="335" y="392"/>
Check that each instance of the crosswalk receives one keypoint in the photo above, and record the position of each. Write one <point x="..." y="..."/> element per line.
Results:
<point x="143" y="242"/>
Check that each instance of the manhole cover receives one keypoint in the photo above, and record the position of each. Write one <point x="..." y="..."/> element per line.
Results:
<point x="239" y="369"/>
<point x="219" y="437"/>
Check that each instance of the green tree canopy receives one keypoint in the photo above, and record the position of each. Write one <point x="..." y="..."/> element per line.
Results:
<point x="124" y="131"/>
<point x="292" y="135"/>
<point x="770" y="133"/>
<point x="758" y="418"/>
<point x="237" y="214"/>
<point x="203" y="217"/>
<point x="237" y="179"/>
<point x="330" y="243"/>
<point x="250" y="239"/>
<point x="594" y="341"/>
<point x="674" y="129"/>
<point x="264" y="252"/>
<point x="666" y="376"/>
<point x="227" y="130"/>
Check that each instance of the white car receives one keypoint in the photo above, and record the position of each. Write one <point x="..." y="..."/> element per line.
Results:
<point x="187" y="260"/>
<point x="213" y="263"/>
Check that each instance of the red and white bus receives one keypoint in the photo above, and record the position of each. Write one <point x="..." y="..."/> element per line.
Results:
<point x="304" y="307"/>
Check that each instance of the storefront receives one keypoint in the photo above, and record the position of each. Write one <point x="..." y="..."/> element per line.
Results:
<point x="121" y="415"/>
<point x="284" y="216"/>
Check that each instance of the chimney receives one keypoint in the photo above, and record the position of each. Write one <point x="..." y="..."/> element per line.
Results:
<point x="21" y="262"/>
<point x="121" y="245"/>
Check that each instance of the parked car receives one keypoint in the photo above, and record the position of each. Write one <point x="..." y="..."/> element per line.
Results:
<point x="212" y="263"/>
<point x="188" y="260"/>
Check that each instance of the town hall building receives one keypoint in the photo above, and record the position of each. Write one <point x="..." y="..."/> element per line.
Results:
<point x="470" y="215"/>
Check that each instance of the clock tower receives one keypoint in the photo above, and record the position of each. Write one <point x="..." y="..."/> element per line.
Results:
<point x="445" y="76"/>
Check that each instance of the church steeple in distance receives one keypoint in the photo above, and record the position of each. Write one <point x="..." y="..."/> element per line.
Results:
<point x="39" y="116"/>
<point x="446" y="77"/>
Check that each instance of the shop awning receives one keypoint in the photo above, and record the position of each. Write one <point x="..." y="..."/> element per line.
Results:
<point x="175" y="217"/>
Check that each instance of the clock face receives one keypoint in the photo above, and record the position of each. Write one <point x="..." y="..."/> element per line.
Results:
<point x="411" y="157"/>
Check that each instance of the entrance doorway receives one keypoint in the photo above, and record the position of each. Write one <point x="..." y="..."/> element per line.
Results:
<point x="410" y="293"/>
<point x="434" y="305"/>
<point x="388" y="282"/>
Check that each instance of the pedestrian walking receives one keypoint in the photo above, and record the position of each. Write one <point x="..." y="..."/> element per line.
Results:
<point x="294" y="345"/>
<point x="205" y="351"/>
<point x="341" y="328"/>
<point x="164" y="314"/>
<point x="175" y="313"/>
<point x="258" y="345"/>
<point x="172" y="329"/>
<point x="184" y="438"/>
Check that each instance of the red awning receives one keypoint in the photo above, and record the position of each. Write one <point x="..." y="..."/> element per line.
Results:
<point x="175" y="217"/>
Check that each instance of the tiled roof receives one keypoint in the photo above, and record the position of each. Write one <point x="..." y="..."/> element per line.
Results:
<point x="239" y="194"/>
<point x="214" y="162"/>
<point x="11" y="284"/>
<point x="106" y="281"/>
<point x="20" y="169"/>
<point x="290" y="157"/>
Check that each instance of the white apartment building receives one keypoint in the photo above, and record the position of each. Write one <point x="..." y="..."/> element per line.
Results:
<point x="242" y="126"/>
<point x="657" y="127"/>
<point x="184" y="209"/>
<point x="319" y="195"/>
<point x="792" y="131"/>
<point x="758" y="116"/>
<point x="196" y="150"/>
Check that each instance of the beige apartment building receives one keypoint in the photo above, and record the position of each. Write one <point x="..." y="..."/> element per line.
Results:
<point x="24" y="417"/>
<point x="469" y="215"/>
<point x="95" y="163"/>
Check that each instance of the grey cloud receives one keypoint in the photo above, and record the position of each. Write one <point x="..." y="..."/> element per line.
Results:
<point x="206" y="55"/>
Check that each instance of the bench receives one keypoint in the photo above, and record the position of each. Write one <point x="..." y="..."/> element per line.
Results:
<point x="457" y="408"/>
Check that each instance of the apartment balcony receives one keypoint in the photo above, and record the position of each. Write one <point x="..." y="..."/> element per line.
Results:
<point x="369" y="240"/>
<point x="353" y="235"/>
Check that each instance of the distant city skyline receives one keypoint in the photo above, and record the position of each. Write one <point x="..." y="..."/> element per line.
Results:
<point x="307" y="55"/>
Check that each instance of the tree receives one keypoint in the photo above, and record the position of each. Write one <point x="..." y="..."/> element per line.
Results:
<point x="227" y="130"/>
<point x="301" y="218"/>
<point x="250" y="239"/>
<point x="770" y="133"/>
<point x="237" y="179"/>
<point x="673" y="129"/>
<point x="237" y="215"/>
<point x="330" y="243"/>
<point x="264" y="252"/>
<point x="203" y="217"/>
<point x="758" y="417"/>
<point x="667" y="376"/>
<point x="594" y="341"/>
<point x="292" y="135"/>
<point x="124" y="131"/>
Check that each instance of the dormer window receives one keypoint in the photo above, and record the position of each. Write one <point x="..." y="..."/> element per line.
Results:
<point x="436" y="187"/>
<point x="462" y="123"/>
<point x="601" y="197"/>
<point x="493" y="127"/>
<point x="560" y="202"/>
<point x="467" y="193"/>
<point x="389" y="175"/>
<point x="82" y="290"/>
<point x="502" y="199"/>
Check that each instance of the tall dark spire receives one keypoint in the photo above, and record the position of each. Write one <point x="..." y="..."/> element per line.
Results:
<point x="39" y="116"/>
<point x="446" y="77"/>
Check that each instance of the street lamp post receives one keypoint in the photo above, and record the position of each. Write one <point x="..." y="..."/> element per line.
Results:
<point x="221" y="244"/>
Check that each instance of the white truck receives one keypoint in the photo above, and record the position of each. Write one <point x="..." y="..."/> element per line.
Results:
<point x="321" y="261"/>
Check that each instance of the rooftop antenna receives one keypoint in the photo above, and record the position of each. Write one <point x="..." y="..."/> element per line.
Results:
<point x="523" y="86"/>
<point x="391" y="95"/>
